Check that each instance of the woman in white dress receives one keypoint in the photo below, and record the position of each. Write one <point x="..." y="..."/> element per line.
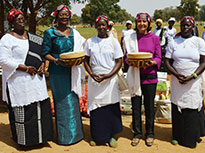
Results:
<point x="24" y="85"/>
<point x="185" y="59"/>
<point x="102" y="62"/>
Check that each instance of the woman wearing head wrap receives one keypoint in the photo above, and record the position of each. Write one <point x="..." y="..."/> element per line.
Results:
<point x="187" y="54"/>
<point x="143" y="81"/>
<point x="103" y="60"/>
<point x="24" y="85"/>
<point x="65" y="81"/>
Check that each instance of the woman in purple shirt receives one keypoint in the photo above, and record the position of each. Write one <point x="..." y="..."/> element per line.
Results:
<point x="147" y="42"/>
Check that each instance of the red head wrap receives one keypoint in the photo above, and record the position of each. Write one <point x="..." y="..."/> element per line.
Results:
<point x="102" y="17"/>
<point x="190" y="18"/>
<point x="58" y="9"/>
<point x="13" y="13"/>
<point x="145" y="16"/>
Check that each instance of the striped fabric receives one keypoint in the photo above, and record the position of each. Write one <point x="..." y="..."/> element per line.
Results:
<point x="32" y="124"/>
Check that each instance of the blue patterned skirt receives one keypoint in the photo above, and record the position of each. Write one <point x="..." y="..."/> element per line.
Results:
<point x="67" y="110"/>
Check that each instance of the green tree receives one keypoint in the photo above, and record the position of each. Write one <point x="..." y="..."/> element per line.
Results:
<point x="35" y="10"/>
<point x="189" y="7"/>
<point x="171" y="12"/>
<point x="202" y="13"/>
<point x="159" y="14"/>
<point x="105" y="7"/>
<point x="75" y="19"/>
<point x="86" y="15"/>
<point x="123" y="16"/>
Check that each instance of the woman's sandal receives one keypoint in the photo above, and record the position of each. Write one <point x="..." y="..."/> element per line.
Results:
<point x="92" y="143"/>
<point x="113" y="142"/>
<point x="149" y="142"/>
<point x="135" y="141"/>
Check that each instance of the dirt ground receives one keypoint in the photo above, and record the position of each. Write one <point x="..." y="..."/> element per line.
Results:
<point x="161" y="144"/>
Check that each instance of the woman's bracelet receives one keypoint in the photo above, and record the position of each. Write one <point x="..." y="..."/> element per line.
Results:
<point x="27" y="69"/>
<point x="194" y="75"/>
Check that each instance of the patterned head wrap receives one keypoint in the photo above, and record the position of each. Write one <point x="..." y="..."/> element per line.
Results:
<point x="58" y="9"/>
<point x="145" y="16"/>
<point x="102" y="17"/>
<point x="13" y="13"/>
<point x="190" y="18"/>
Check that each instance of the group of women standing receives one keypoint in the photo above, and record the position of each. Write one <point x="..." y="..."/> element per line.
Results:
<point x="24" y="87"/>
<point x="22" y="57"/>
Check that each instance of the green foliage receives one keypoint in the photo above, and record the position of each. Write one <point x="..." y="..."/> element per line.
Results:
<point x="172" y="12"/>
<point x="86" y="15"/>
<point x="105" y="7"/>
<point x="202" y="13"/>
<point x="123" y="16"/>
<point x="37" y="11"/>
<point x="166" y="13"/>
<point x="189" y="7"/>
<point x="75" y="19"/>
<point x="159" y="14"/>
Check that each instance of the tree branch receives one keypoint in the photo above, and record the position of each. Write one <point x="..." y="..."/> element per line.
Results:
<point x="42" y="5"/>
<point x="30" y="6"/>
<point x="8" y="4"/>
<point x="42" y="18"/>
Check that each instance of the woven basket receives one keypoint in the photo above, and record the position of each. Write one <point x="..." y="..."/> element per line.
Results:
<point x="73" y="58"/>
<point x="75" y="61"/>
<point x="138" y="59"/>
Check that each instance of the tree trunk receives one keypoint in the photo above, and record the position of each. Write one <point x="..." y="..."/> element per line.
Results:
<point x="1" y="18"/>
<point x="32" y="23"/>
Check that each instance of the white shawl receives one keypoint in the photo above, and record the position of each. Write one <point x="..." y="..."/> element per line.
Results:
<point x="133" y="74"/>
<point x="77" y="71"/>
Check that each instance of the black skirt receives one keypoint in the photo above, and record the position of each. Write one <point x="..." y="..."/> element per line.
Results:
<point x="105" y="122"/>
<point x="187" y="126"/>
<point x="31" y="125"/>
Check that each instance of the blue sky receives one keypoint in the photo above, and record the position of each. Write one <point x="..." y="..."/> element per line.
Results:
<point x="135" y="6"/>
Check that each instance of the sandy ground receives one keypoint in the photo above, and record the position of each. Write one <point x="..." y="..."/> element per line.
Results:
<point x="161" y="144"/>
